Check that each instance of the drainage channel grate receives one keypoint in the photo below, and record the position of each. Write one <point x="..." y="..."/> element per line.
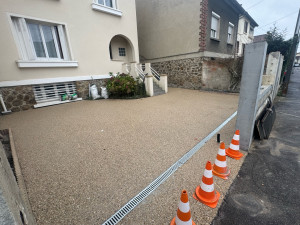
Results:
<point x="121" y="213"/>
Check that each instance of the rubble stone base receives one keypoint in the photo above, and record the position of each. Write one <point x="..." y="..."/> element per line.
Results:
<point x="18" y="98"/>
<point x="196" y="73"/>
<point x="83" y="87"/>
<point x="184" y="73"/>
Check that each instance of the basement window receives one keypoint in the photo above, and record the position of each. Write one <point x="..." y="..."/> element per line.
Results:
<point x="50" y="94"/>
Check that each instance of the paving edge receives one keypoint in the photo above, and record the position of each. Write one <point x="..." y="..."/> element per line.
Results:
<point x="19" y="175"/>
<point x="129" y="206"/>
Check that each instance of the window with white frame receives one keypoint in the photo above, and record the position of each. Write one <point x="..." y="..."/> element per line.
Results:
<point x="45" y="40"/>
<point x="122" y="52"/>
<point x="230" y="33"/>
<point x="106" y="6"/>
<point x="108" y="3"/>
<point x="41" y="41"/>
<point x="215" y="26"/>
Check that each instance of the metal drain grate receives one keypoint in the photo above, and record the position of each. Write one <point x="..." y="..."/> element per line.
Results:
<point x="121" y="213"/>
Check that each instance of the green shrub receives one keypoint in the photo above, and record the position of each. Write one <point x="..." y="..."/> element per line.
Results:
<point x="125" y="86"/>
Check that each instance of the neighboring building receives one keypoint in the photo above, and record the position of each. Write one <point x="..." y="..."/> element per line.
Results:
<point x="54" y="47"/>
<point x="259" y="38"/>
<point x="177" y="35"/>
<point x="245" y="33"/>
<point x="173" y="28"/>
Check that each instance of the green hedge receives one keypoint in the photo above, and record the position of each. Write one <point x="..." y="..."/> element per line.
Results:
<point x="125" y="86"/>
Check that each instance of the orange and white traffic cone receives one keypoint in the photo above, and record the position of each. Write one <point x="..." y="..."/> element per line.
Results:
<point x="234" y="147"/>
<point x="183" y="216"/>
<point x="206" y="193"/>
<point x="220" y="167"/>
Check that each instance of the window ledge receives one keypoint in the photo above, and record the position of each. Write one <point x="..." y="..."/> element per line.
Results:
<point x="29" y="64"/>
<point x="106" y="9"/>
<point x="117" y="60"/>
<point x="229" y="44"/>
<point x="215" y="39"/>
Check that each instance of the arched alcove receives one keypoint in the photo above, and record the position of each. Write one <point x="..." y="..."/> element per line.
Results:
<point x="121" y="49"/>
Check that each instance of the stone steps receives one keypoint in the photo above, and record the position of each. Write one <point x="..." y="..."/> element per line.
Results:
<point x="157" y="90"/>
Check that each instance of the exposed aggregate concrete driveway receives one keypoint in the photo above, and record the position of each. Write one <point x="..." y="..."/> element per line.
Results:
<point x="82" y="161"/>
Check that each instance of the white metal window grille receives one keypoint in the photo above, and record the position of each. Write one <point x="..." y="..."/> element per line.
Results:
<point x="215" y="24"/>
<point x="38" y="40"/>
<point x="122" y="52"/>
<point x="230" y="33"/>
<point x="53" y="92"/>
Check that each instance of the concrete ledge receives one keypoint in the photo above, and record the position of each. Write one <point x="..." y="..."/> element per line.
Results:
<point x="39" y="105"/>
<point x="14" y="205"/>
<point x="20" y="179"/>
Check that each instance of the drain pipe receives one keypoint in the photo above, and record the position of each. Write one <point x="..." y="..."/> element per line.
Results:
<point x="3" y="106"/>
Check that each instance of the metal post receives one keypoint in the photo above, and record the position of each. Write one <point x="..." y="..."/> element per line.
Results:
<point x="253" y="67"/>
<point x="292" y="56"/>
<point x="290" y="64"/>
<point x="3" y="106"/>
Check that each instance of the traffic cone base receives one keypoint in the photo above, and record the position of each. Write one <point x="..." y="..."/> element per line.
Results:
<point x="209" y="202"/>
<point x="234" y="154"/>
<point x="221" y="175"/>
<point x="173" y="221"/>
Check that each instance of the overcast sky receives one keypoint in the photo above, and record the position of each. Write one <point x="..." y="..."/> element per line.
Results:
<point x="265" y="12"/>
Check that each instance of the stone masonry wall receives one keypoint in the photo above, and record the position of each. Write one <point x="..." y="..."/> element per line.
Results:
<point x="18" y="98"/>
<point x="83" y="87"/>
<point x="22" y="97"/>
<point x="196" y="73"/>
<point x="184" y="73"/>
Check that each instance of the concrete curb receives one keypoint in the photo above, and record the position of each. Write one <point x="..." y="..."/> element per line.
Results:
<point x="19" y="177"/>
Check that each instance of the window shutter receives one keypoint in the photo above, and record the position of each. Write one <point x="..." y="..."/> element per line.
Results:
<point x="63" y="42"/>
<point x="214" y="23"/>
<point x="24" y="40"/>
<point x="230" y="30"/>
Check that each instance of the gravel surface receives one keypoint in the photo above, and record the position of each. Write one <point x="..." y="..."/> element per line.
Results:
<point x="84" y="160"/>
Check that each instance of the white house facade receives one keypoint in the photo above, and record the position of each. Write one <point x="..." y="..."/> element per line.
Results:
<point x="54" y="47"/>
<point x="245" y="33"/>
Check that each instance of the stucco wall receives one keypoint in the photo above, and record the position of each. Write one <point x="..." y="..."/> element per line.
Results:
<point x="89" y="32"/>
<point x="242" y="37"/>
<point x="168" y="27"/>
<point x="227" y="15"/>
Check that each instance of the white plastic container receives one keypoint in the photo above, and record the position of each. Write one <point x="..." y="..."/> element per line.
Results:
<point x="94" y="92"/>
<point x="104" y="92"/>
